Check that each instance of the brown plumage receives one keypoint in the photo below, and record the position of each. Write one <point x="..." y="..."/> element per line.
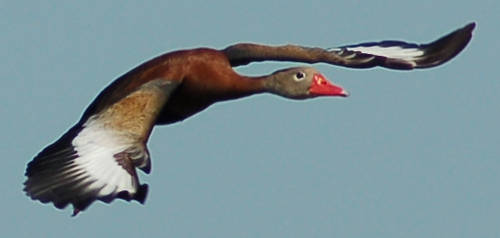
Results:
<point x="96" y="158"/>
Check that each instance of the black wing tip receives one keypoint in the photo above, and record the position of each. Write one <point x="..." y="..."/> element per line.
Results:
<point x="464" y="34"/>
<point x="58" y="152"/>
<point x="82" y="203"/>
<point x="466" y="31"/>
<point x="445" y="48"/>
<point x="434" y="53"/>
<point x="469" y="27"/>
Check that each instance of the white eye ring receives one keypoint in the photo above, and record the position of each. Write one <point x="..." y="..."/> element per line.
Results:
<point x="299" y="76"/>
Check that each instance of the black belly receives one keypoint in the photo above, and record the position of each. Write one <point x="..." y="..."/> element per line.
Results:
<point x="179" y="108"/>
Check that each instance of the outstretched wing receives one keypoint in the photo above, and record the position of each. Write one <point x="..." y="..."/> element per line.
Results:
<point x="96" y="159"/>
<point x="388" y="54"/>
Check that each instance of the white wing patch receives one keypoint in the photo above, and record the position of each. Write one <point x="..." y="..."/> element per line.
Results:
<point x="389" y="49"/>
<point x="395" y="52"/>
<point x="390" y="54"/>
<point x="96" y="147"/>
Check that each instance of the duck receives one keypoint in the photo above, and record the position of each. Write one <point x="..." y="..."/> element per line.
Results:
<point x="97" y="159"/>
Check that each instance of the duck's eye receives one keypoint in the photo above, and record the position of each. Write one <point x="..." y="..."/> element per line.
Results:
<point x="299" y="76"/>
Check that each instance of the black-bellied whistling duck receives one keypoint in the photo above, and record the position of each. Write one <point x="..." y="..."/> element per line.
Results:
<point x="97" y="158"/>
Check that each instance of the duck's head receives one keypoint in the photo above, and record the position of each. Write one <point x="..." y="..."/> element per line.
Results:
<point x="302" y="83"/>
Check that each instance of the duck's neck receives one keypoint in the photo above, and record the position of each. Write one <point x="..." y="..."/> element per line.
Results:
<point x="245" y="86"/>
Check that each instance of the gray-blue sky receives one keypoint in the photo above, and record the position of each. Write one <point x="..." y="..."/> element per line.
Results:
<point x="409" y="154"/>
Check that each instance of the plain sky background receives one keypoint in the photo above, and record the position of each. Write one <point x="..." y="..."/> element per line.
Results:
<point x="409" y="154"/>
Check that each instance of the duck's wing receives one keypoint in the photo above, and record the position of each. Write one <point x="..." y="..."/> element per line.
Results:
<point x="96" y="159"/>
<point x="388" y="54"/>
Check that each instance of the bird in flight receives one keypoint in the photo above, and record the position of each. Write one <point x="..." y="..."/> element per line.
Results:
<point x="97" y="158"/>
